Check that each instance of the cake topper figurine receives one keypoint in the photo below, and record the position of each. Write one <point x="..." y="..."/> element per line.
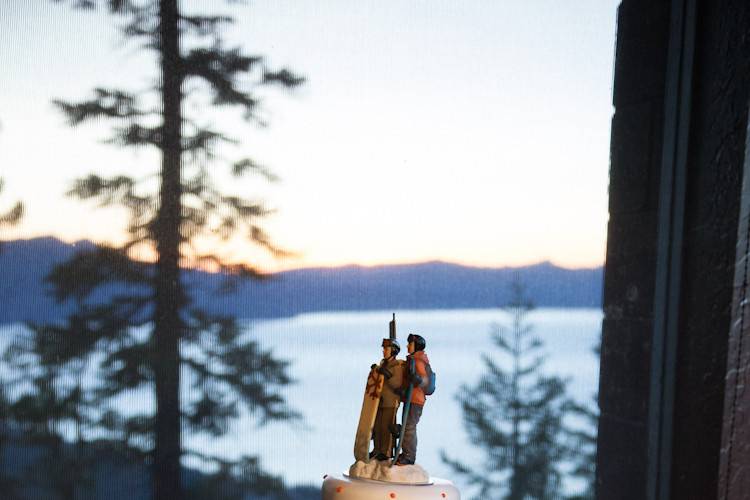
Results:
<point x="392" y="371"/>
<point x="388" y="384"/>
<point x="374" y="406"/>
<point x="383" y="472"/>
<point x="419" y="383"/>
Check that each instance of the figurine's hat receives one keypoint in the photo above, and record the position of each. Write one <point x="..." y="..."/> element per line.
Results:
<point x="393" y="344"/>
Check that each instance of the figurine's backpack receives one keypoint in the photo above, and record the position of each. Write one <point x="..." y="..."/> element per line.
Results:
<point x="430" y="380"/>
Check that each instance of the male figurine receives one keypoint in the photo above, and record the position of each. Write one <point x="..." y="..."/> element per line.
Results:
<point x="416" y="375"/>
<point x="392" y="371"/>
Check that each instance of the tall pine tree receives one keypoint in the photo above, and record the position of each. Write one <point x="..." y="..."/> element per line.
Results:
<point x="8" y="484"/>
<point x="137" y="327"/>
<point x="515" y="414"/>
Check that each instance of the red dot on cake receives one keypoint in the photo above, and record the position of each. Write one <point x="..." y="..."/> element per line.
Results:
<point x="339" y="489"/>
<point x="443" y="495"/>
<point x="392" y="495"/>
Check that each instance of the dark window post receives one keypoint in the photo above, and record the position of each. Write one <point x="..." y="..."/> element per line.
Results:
<point x="681" y="90"/>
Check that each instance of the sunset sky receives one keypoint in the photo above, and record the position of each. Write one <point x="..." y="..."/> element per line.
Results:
<point x="466" y="131"/>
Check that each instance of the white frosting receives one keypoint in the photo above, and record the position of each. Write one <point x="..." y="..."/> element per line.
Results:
<point x="384" y="471"/>
<point x="341" y="487"/>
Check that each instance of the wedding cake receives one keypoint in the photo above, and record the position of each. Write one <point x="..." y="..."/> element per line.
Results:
<point x="345" y="487"/>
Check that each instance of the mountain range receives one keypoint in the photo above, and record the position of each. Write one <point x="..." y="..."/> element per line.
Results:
<point x="429" y="285"/>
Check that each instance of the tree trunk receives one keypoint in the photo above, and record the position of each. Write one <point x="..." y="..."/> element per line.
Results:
<point x="517" y="486"/>
<point x="168" y="290"/>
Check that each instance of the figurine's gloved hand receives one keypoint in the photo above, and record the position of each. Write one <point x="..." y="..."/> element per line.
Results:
<point x="416" y="380"/>
<point x="385" y="372"/>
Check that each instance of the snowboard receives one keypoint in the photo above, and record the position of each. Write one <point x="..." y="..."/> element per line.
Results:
<point x="370" y="402"/>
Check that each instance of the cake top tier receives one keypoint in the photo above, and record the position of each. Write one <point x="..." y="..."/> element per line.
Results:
<point x="342" y="487"/>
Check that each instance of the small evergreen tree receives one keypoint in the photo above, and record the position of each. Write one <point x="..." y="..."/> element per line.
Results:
<point x="9" y="482"/>
<point x="515" y="414"/>
<point x="583" y="443"/>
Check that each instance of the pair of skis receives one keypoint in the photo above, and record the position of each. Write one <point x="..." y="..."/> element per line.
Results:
<point x="405" y="415"/>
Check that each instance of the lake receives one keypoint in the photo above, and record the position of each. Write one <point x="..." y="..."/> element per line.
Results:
<point x="331" y="354"/>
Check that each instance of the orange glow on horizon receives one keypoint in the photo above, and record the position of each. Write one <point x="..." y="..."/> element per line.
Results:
<point x="262" y="262"/>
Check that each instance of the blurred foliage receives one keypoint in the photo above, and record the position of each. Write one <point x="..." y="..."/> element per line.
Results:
<point x="583" y="442"/>
<point x="9" y="484"/>
<point x="515" y="414"/>
<point x="13" y="215"/>
<point x="94" y="380"/>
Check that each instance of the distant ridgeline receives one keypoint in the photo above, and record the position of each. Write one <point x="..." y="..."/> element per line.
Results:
<point x="431" y="285"/>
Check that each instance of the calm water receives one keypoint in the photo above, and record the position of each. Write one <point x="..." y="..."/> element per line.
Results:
<point x="331" y="354"/>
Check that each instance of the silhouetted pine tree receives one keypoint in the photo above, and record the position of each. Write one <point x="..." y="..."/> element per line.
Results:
<point x="9" y="484"/>
<point x="515" y="415"/>
<point x="149" y="336"/>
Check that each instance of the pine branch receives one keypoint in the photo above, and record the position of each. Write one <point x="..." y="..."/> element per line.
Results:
<point x="211" y="414"/>
<point x="234" y="479"/>
<point x="114" y="6"/>
<point x="231" y="271"/>
<point x="219" y="68"/>
<point x="143" y="23"/>
<point x="238" y="367"/>
<point x="248" y="165"/>
<point x="106" y="103"/>
<point x="205" y="25"/>
<point x="128" y="367"/>
<point x="205" y="141"/>
<point x="109" y="191"/>
<point x="86" y="271"/>
<point x="134" y="432"/>
<point x="12" y="216"/>
<point x="283" y="78"/>
<point x="136" y="135"/>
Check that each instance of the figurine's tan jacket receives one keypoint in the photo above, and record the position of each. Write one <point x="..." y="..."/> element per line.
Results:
<point x="388" y="398"/>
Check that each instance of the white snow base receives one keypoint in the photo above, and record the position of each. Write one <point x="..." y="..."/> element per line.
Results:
<point x="342" y="487"/>
<point x="384" y="471"/>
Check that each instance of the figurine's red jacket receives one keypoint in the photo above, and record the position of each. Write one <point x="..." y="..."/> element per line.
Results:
<point x="420" y="366"/>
